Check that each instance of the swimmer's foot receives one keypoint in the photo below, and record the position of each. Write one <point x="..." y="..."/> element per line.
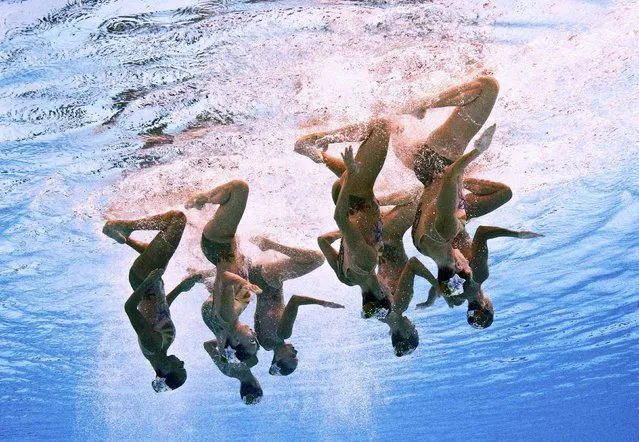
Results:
<point x="525" y="234"/>
<point x="417" y="111"/>
<point x="483" y="142"/>
<point x="262" y="242"/>
<point x="115" y="231"/>
<point x="312" y="146"/>
<point x="197" y="201"/>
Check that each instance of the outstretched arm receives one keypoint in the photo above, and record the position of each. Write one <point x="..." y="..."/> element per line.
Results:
<point x="334" y="164"/>
<point x="479" y="261"/>
<point x="299" y="261"/>
<point x="225" y="301"/>
<point x="188" y="283"/>
<point x="332" y="256"/>
<point x="285" y="327"/>
<point x="404" y="291"/>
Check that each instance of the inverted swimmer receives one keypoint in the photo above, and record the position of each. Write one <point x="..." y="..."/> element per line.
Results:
<point x="480" y="312"/>
<point x="358" y="219"/>
<point x="230" y="291"/>
<point x="426" y="156"/>
<point x="148" y="307"/>
<point x="250" y="388"/>
<point x="273" y="318"/>
<point x="398" y="272"/>
<point x="438" y="222"/>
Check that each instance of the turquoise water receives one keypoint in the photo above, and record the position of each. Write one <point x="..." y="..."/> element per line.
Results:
<point x="80" y="85"/>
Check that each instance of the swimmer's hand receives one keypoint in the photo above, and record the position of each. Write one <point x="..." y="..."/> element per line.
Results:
<point x="329" y="304"/>
<point x="251" y="288"/>
<point x="525" y="234"/>
<point x="416" y="110"/>
<point x="262" y="242"/>
<point x="483" y="142"/>
<point x="194" y="276"/>
<point x="155" y="274"/>
<point x="197" y="201"/>
<point x="352" y="166"/>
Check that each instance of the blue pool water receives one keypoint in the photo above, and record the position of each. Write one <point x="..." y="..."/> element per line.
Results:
<point x="82" y="83"/>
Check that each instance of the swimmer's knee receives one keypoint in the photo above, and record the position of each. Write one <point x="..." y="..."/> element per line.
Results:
<point x="489" y="84"/>
<point x="177" y="217"/>
<point x="380" y="125"/>
<point x="239" y="186"/>
<point x="507" y="192"/>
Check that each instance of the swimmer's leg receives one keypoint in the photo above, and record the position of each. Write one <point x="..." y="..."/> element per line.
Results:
<point x="479" y="260"/>
<point x="474" y="101"/>
<point x="298" y="261"/>
<point x="370" y="157"/>
<point x="313" y="144"/>
<point x="446" y="203"/>
<point x="399" y="219"/>
<point x="232" y="198"/>
<point x="159" y="251"/>
<point x="485" y="196"/>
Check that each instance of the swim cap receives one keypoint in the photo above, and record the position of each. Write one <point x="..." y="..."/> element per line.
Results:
<point x="159" y="385"/>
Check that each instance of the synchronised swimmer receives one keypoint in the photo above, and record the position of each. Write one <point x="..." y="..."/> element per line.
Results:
<point x="371" y="253"/>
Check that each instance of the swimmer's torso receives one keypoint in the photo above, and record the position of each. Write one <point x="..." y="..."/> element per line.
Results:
<point x="155" y="310"/>
<point x="391" y="264"/>
<point x="268" y="311"/>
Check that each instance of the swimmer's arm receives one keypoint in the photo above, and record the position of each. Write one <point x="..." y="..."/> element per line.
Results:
<point x="432" y="295"/>
<point x="139" y="323"/>
<point x="285" y="327"/>
<point x="324" y="242"/>
<point x="341" y="208"/>
<point x="299" y="262"/>
<point x="225" y="304"/>
<point x="404" y="292"/>
<point x="187" y="283"/>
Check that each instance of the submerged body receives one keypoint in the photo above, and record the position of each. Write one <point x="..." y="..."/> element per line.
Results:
<point x="148" y="306"/>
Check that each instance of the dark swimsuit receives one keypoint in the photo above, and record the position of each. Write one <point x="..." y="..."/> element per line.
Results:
<point x="429" y="165"/>
<point x="217" y="251"/>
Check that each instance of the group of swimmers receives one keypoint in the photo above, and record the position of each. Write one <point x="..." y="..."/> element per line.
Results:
<point x="371" y="254"/>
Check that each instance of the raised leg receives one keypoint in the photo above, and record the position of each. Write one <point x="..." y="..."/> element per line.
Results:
<point x="398" y="220"/>
<point x="159" y="251"/>
<point x="474" y="101"/>
<point x="479" y="260"/>
<point x="298" y="261"/>
<point x="485" y="196"/>
<point x="232" y="198"/>
<point x="370" y="157"/>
